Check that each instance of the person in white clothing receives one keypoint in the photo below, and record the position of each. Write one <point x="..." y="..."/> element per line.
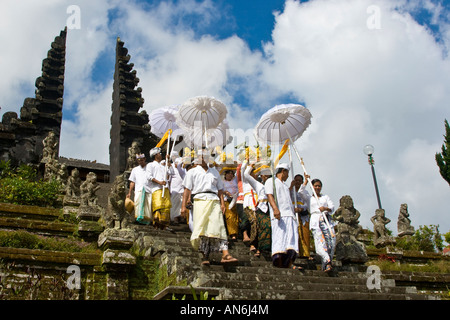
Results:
<point x="283" y="220"/>
<point x="323" y="232"/>
<point x="176" y="185"/>
<point x="301" y="208"/>
<point x="249" y="206"/>
<point x="158" y="175"/>
<point x="142" y="191"/>
<point x="261" y="212"/>
<point x="229" y="193"/>
<point x="209" y="232"/>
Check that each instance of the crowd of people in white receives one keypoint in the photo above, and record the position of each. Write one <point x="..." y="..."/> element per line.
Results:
<point x="246" y="202"/>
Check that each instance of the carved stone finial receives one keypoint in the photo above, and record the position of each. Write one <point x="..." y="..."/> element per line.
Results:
<point x="348" y="248"/>
<point x="381" y="238"/>
<point x="404" y="227"/>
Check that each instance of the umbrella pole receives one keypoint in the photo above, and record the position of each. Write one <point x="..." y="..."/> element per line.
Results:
<point x="295" y="192"/>
<point x="273" y="184"/>
<point x="204" y="134"/>
<point x="167" y="163"/>
<point x="311" y="186"/>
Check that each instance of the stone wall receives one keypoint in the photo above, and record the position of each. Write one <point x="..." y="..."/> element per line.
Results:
<point x="28" y="273"/>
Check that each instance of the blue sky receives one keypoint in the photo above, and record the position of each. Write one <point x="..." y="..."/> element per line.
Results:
<point x="386" y="86"/>
<point x="251" y="20"/>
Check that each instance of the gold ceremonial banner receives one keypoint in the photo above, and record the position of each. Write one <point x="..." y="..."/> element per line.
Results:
<point x="282" y="152"/>
<point x="164" y="138"/>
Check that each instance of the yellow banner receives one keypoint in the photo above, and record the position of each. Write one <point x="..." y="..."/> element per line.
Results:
<point x="164" y="138"/>
<point x="282" y="152"/>
<point x="264" y="166"/>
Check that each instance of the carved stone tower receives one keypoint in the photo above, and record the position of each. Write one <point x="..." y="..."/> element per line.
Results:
<point x="127" y="123"/>
<point x="39" y="115"/>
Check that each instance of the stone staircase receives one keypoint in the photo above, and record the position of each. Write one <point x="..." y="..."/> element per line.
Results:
<point x="254" y="278"/>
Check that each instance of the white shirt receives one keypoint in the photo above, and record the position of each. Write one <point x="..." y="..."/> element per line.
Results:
<point x="200" y="181"/>
<point x="176" y="182"/>
<point x="155" y="170"/>
<point x="324" y="201"/>
<point x="283" y="197"/>
<point x="139" y="177"/>
<point x="299" y="199"/>
<point x="258" y="187"/>
<point x="231" y="186"/>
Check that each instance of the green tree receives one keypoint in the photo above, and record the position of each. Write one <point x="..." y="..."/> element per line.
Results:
<point x="426" y="238"/>
<point x="19" y="186"/>
<point x="443" y="158"/>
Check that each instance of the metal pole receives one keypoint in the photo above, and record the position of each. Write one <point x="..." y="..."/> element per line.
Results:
<point x="371" y="161"/>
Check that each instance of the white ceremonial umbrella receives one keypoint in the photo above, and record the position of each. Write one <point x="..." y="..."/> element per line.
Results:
<point x="202" y="111"/>
<point x="215" y="137"/>
<point x="163" y="119"/>
<point x="282" y="122"/>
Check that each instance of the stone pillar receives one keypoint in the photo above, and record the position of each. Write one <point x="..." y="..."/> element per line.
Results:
<point x="127" y="123"/>
<point x="350" y="251"/>
<point x="39" y="115"/>
<point x="117" y="261"/>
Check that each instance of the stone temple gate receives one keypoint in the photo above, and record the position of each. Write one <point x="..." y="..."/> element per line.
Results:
<point x="22" y="136"/>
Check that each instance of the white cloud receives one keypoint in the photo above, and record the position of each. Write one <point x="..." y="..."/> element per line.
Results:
<point x="26" y="34"/>
<point x="387" y="87"/>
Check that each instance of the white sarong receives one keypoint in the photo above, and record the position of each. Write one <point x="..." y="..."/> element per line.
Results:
<point x="176" y="199"/>
<point x="142" y="206"/>
<point x="284" y="235"/>
<point x="208" y="221"/>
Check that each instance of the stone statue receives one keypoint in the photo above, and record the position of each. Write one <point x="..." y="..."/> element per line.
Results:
<point x="116" y="220"/>
<point x="380" y="237"/>
<point x="72" y="190"/>
<point x="88" y="190"/>
<point x="50" y="150"/>
<point x="132" y="152"/>
<point x="404" y="227"/>
<point x="116" y="216"/>
<point x="54" y="170"/>
<point x="348" y="248"/>
<point x="62" y="175"/>
<point x="51" y="170"/>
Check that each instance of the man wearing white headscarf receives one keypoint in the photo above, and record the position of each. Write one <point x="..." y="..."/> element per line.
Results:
<point x="209" y="233"/>
<point x="283" y="221"/>
<point x="157" y="175"/>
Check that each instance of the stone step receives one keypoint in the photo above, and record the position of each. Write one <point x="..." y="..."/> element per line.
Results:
<point x="41" y="227"/>
<point x="8" y="210"/>
<point x="422" y="280"/>
<point x="300" y="284"/>
<point x="282" y="275"/>
<point x="255" y="278"/>
<point x="39" y="220"/>
<point x="251" y="294"/>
